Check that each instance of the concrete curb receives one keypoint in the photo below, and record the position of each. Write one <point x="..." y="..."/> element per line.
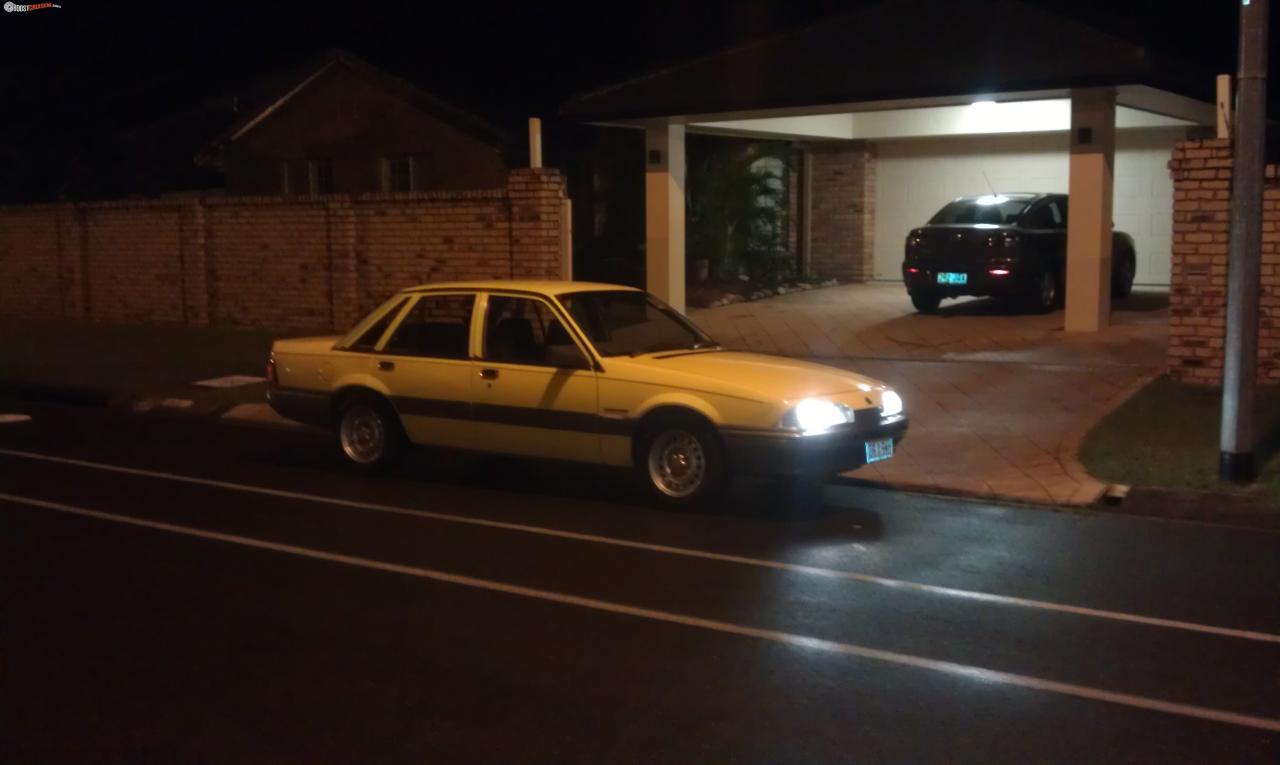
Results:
<point x="1069" y="450"/>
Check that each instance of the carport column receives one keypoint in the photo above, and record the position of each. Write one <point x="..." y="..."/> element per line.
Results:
<point x="1093" y="148"/>
<point x="664" y="213"/>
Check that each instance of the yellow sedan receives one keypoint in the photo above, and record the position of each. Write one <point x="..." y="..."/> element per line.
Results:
<point x="588" y="372"/>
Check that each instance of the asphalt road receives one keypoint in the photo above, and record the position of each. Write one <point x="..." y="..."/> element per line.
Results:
<point x="189" y="591"/>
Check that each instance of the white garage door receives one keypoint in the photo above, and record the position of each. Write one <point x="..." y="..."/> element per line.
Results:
<point x="916" y="177"/>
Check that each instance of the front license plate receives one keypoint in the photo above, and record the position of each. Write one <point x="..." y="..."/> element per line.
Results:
<point x="879" y="450"/>
<point x="950" y="277"/>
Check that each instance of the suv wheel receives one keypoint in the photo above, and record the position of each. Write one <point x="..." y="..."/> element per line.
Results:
<point x="1045" y="293"/>
<point x="1122" y="280"/>
<point x="926" y="302"/>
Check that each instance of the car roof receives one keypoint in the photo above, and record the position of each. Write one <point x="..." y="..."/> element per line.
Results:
<point x="540" y="286"/>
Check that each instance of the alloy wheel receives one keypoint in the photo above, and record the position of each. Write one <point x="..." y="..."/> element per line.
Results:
<point x="1048" y="291"/>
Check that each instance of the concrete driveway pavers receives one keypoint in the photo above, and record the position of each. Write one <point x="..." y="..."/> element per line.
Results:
<point x="999" y="401"/>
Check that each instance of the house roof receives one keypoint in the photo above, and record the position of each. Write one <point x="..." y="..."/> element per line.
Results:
<point x="894" y="50"/>
<point x="266" y="95"/>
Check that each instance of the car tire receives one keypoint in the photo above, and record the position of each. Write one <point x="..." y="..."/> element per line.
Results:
<point x="926" y="302"/>
<point x="1122" y="279"/>
<point x="367" y="432"/>
<point x="1046" y="292"/>
<point x="681" y="461"/>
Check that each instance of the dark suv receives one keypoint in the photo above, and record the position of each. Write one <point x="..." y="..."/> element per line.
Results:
<point x="1001" y="245"/>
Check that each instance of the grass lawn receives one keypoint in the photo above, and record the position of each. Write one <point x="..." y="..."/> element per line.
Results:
<point x="126" y="358"/>
<point x="1167" y="435"/>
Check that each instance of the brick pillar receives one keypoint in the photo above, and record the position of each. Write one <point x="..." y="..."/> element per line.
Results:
<point x="344" y="292"/>
<point x="72" y="280"/>
<point x="537" y="199"/>
<point x="842" y="226"/>
<point x="194" y="259"/>
<point x="1201" y="172"/>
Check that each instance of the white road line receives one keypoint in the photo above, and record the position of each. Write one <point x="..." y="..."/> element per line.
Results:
<point x="982" y="597"/>
<point x="788" y="638"/>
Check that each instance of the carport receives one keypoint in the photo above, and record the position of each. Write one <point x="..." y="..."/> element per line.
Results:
<point x="904" y="105"/>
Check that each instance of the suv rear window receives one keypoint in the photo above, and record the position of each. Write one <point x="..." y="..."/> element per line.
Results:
<point x="995" y="210"/>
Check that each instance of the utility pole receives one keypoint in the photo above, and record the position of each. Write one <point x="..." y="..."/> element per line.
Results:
<point x="1240" y="368"/>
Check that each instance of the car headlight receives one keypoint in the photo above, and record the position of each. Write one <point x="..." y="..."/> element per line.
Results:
<point x="813" y="416"/>
<point x="890" y="403"/>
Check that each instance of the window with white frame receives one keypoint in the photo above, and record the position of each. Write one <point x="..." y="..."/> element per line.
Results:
<point x="319" y="176"/>
<point x="397" y="174"/>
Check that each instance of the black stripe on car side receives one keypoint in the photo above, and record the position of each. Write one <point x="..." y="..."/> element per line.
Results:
<point x="583" y="422"/>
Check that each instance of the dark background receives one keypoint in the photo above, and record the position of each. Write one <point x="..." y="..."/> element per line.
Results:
<point x="75" y="77"/>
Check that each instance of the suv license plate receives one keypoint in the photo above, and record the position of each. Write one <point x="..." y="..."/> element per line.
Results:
<point x="880" y="449"/>
<point x="948" y="277"/>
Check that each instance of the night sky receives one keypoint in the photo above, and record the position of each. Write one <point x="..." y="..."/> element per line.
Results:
<point x="76" y="75"/>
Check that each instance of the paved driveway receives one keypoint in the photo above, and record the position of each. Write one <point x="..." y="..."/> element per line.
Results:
<point x="999" y="400"/>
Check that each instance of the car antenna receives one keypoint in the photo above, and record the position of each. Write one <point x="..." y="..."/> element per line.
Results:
<point x="988" y="180"/>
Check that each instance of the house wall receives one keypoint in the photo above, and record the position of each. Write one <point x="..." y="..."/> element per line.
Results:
<point x="284" y="263"/>
<point x="353" y="122"/>
<point x="842" y="212"/>
<point x="1201" y="172"/>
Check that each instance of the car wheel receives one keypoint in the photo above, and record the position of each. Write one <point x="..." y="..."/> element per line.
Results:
<point x="682" y="462"/>
<point x="926" y="302"/>
<point x="1122" y="279"/>
<point x="368" y="432"/>
<point x="1045" y="293"/>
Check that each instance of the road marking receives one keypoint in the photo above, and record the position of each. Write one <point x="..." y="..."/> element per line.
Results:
<point x="982" y="597"/>
<point x="595" y="604"/>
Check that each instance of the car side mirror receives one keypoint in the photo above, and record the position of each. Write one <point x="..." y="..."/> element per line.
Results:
<point x="566" y="357"/>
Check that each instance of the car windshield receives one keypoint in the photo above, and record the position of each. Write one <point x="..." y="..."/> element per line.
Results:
<point x="622" y="323"/>
<point x="992" y="210"/>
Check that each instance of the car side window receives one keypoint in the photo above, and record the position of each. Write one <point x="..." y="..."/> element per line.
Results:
<point x="368" y="340"/>
<point x="1042" y="216"/>
<point x="525" y="331"/>
<point x="437" y="326"/>
<point x="1059" y="219"/>
<point x="1061" y="204"/>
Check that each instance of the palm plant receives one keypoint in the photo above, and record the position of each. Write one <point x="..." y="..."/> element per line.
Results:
<point x="736" y="208"/>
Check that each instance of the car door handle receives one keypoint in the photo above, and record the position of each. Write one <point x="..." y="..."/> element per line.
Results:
<point x="488" y="374"/>
<point x="387" y="366"/>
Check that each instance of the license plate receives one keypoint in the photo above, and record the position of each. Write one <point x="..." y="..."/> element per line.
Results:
<point x="881" y="449"/>
<point x="948" y="277"/>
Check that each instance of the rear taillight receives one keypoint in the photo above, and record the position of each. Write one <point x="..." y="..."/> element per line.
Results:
<point x="271" y="370"/>
<point x="998" y="271"/>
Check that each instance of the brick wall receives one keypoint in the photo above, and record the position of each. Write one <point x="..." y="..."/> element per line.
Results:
<point x="1201" y="172"/>
<point x="842" y="225"/>
<point x="276" y="262"/>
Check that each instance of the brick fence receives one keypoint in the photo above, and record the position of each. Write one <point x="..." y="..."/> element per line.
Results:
<point x="278" y="262"/>
<point x="1201" y="172"/>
